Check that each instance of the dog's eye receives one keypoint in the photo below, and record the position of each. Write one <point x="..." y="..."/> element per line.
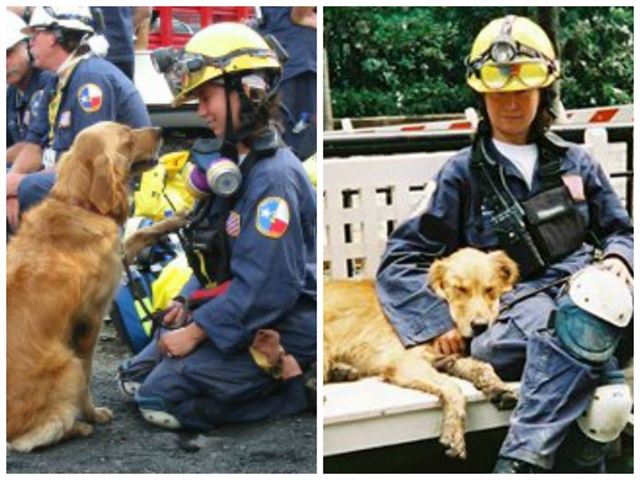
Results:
<point x="490" y="291"/>
<point x="461" y="289"/>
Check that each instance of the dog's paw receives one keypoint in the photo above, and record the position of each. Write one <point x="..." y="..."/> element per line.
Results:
<point x="80" y="429"/>
<point x="504" y="399"/>
<point x="341" y="372"/>
<point x="453" y="440"/>
<point x="135" y="244"/>
<point x="445" y="363"/>
<point x="100" y="415"/>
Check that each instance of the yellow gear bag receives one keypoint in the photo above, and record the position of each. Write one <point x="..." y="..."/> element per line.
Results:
<point x="164" y="188"/>
<point x="167" y="286"/>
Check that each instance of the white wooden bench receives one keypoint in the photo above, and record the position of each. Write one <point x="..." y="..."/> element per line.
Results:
<point x="364" y="199"/>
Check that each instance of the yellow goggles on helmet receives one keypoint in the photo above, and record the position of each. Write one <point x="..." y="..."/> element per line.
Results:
<point x="506" y="61"/>
<point x="532" y="74"/>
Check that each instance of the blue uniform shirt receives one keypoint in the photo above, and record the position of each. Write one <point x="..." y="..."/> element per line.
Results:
<point x="96" y="91"/>
<point x="298" y="41"/>
<point x="272" y="232"/>
<point x="22" y="107"/>
<point x="453" y="220"/>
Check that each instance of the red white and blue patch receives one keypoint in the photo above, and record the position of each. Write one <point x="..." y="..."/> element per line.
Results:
<point x="272" y="219"/>
<point x="90" y="97"/>
<point x="233" y="224"/>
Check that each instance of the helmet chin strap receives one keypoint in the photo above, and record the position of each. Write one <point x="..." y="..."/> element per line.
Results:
<point x="230" y="141"/>
<point x="248" y="115"/>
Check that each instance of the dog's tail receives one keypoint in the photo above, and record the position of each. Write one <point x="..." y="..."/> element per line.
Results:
<point x="43" y="396"/>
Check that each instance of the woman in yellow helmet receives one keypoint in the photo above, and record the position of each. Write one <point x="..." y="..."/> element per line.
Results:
<point x="242" y="331"/>
<point x="521" y="189"/>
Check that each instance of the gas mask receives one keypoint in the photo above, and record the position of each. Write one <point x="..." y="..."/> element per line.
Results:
<point x="212" y="172"/>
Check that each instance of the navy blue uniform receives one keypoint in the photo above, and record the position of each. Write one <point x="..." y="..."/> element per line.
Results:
<point x="272" y="233"/>
<point x="298" y="84"/>
<point x="453" y="220"/>
<point x="22" y="107"/>
<point x="94" y="91"/>
<point x="118" y="23"/>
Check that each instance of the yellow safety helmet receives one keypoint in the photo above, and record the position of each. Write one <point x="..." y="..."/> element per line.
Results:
<point x="219" y="49"/>
<point x="510" y="54"/>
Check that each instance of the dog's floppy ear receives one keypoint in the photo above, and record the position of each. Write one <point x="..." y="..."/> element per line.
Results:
<point x="507" y="269"/>
<point x="106" y="192"/>
<point x="436" y="277"/>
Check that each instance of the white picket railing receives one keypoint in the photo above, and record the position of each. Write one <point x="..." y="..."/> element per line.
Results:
<point x="364" y="199"/>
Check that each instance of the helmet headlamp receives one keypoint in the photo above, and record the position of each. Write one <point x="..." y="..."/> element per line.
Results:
<point x="511" y="54"/>
<point x="503" y="50"/>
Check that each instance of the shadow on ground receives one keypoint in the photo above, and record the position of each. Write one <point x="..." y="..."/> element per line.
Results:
<point x="130" y="445"/>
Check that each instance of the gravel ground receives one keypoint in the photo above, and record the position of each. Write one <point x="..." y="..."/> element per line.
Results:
<point x="129" y="445"/>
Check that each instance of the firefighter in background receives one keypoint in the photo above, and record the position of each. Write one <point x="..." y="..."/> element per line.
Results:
<point x="551" y="207"/>
<point x="25" y="85"/>
<point x="85" y="90"/>
<point x="236" y="341"/>
<point x="295" y="29"/>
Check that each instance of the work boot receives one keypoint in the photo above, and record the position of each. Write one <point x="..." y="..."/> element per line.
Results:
<point x="128" y="387"/>
<point x="512" y="465"/>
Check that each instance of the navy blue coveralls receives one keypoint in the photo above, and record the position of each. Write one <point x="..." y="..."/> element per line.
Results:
<point x="555" y="387"/>
<point x="273" y="286"/>
<point x="94" y="91"/>
<point x="22" y="107"/>
<point x="298" y="83"/>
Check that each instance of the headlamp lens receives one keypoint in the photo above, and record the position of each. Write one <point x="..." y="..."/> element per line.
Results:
<point x="164" y="58"/>
<point x="503" y="52"/>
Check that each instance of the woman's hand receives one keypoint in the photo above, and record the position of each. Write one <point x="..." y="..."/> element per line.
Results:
<point x="176" y="316"/>
<point x="449" y="343"/>
<point x="13" y="212"/>
<point x="181" y="342"/>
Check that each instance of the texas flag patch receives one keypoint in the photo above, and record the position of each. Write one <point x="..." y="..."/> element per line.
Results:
<point x="90" y="97"/>
<point x="272" y="217"/>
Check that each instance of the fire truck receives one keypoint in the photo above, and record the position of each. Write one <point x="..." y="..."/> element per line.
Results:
<point x="173" y="27"/>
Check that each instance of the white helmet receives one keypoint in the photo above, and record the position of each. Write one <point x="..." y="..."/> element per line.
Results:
<point x="13" y="29"/>
<point x="603" y="294"/>
<point x="78" y="19"/>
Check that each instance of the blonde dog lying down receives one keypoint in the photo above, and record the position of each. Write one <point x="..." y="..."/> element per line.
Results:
<point x="359" y="341"/>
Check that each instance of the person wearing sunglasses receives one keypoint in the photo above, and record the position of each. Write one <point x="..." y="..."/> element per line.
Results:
<point x="551" y="207"/>
<point x="84" y="89"/>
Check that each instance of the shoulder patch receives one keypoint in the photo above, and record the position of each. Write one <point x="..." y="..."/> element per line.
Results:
<point x="90" y="97"/>
<point x="272" y="217"/>
<point x="233" y="224"/>
<point x="575" y="186"/>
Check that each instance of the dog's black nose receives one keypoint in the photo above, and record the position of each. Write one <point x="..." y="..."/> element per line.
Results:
<point x="478" y="328"/>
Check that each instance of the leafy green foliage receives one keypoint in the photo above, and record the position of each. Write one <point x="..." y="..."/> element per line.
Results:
<point x="402" y="61"/>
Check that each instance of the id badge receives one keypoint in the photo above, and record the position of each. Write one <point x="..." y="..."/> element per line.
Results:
<point x="49" y="158"/>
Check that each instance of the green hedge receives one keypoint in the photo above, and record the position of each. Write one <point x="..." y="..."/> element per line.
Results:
<point x="403" y="61"/>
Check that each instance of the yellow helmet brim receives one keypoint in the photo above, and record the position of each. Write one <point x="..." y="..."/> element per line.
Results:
<point x="244" y="63"/>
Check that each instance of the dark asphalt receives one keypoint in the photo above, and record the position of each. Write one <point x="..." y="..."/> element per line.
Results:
<point x="129" y="445"/>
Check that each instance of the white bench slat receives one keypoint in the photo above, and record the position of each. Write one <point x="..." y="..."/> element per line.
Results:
<point x="370" y="413"/>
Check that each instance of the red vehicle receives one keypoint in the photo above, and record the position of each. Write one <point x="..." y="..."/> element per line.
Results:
<point x="174" y="26"/>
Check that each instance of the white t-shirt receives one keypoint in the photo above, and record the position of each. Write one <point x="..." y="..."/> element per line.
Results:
<point x="524" y="157"/>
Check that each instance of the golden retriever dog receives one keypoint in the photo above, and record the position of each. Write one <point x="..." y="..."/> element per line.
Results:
<point x="63" y="266"/>
<point x="359" y="341"/>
